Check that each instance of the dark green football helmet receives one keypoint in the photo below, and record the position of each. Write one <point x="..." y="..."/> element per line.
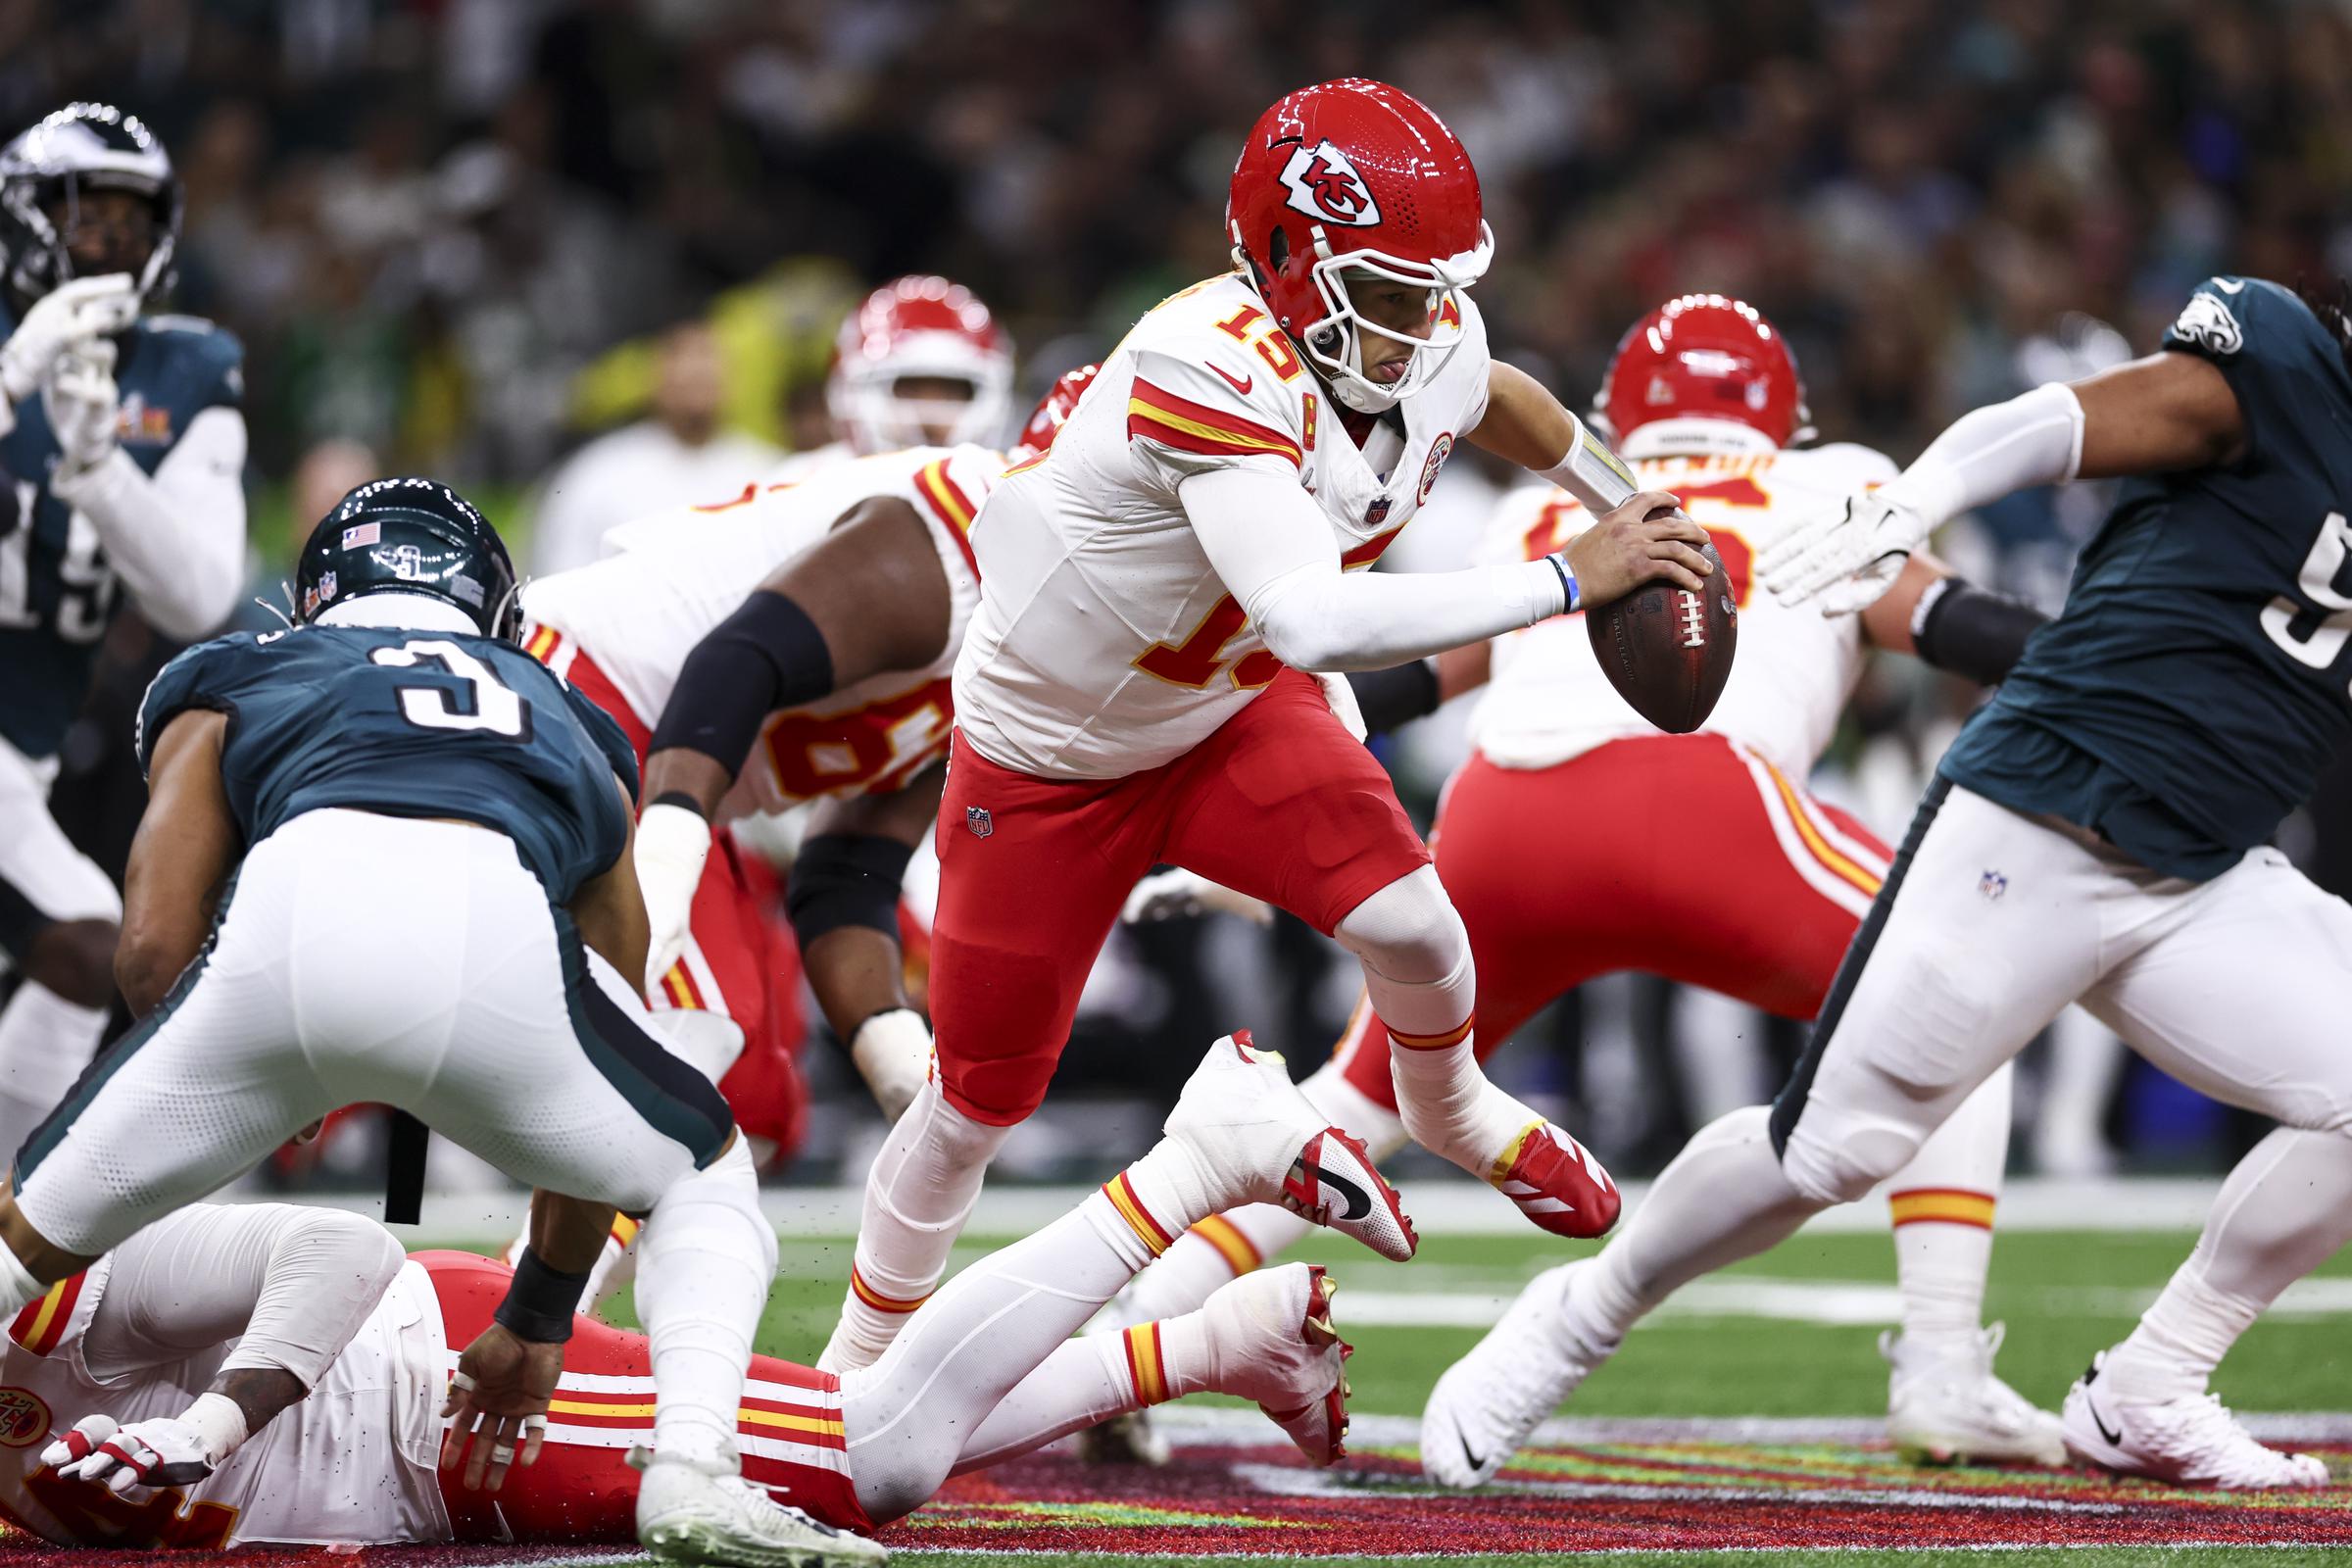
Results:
<point x="410" y="536"/>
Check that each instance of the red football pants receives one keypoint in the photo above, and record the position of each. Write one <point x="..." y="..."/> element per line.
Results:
<point x="1281" y="804"/>
<point x="1682" y="856"/>
<point x="582" y="1489"/>
<point x="738" y="963"/>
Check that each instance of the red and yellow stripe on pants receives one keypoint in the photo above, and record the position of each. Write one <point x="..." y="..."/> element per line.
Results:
<point x="1943" y="1205"/>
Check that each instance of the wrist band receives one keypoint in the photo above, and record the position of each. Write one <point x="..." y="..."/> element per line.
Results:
<point x="1559" y="564"/>
<point x="683" y="801"/>
<point x="540" y="1300"/>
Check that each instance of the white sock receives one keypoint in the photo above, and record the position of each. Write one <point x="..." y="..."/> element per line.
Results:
<point x="2283" y="1211"/>
<point x="1418" y="974"/>
<point x="45" y="1042"/>
<point x="918" y="1196"/>
<point x="1721" y="1199"/>
<point x="18" y="1290"/>
<point x="910" y="1416"/>
<point x="708" y="1257"/>
<point x="1942" y="1208"/>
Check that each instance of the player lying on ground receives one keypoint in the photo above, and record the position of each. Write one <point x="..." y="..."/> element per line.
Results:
<point x="2097" y="833"/>
<point x="272" y="1372"/>
<point x="1154" y="589"/>
<point x="1548" y="837"/>
<point x="386" y="857"/>
<point x="124" y="451"/>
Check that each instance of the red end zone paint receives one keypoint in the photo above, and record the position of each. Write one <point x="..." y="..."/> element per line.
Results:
<point x="1617" y="1497"/>
<point x="1679" y="1493"/>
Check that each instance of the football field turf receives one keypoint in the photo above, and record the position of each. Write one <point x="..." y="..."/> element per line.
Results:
<point x="1737" y="1427"/>
<point x="1663" y="1446"/>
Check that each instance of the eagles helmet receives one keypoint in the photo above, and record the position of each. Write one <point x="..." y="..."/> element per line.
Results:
<point x="410" y="536"/>
<point x="82" y="147"/>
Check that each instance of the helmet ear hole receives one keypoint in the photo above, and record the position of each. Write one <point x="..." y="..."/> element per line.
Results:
<point x="1278" y="248"/>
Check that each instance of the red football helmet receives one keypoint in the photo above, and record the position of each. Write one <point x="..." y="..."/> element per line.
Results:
<point x="1054" y="411"/>
<point x="919" y="329"/>
<point x="1355" y="177"/>
<point x="1701" y="357"/>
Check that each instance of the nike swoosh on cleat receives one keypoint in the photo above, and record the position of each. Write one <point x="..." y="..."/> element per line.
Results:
<point x="1240" y="384"/>
<point x="2115" y="1439"/>
<point x="1359" y="1201"/>
<point x="1477" y="1460"/>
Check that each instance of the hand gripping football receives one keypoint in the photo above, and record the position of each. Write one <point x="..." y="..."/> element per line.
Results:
<point x="1669" y="650"/>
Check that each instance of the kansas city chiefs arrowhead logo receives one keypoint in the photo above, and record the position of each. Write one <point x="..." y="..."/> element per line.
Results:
<point x="1325" y="186"/>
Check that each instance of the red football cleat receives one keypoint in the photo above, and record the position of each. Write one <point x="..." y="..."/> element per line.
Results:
<point x="1557" y="1183"/>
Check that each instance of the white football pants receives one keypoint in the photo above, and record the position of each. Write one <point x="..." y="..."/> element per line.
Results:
<point x="360" y="957"/>
<point x="1991" y="922"/>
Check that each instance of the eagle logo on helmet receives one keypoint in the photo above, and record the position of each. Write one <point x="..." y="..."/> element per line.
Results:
<point x="1325" y="186"/>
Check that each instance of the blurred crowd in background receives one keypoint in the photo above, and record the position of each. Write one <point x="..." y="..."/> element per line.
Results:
<point x="466" y="236"/>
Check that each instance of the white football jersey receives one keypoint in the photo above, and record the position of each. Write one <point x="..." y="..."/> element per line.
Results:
<point x="1549" y="700"/>
<point x="1105" y="643"/>
<point x="669" y="578"/>
<point x="353" y="1461"/>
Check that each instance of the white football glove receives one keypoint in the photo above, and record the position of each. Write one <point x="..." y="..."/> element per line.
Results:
<point x="78" y="311"/>
<point x="1845" y="560"/>
<point x="1166" y="894"/>
<point x="672" y="846"/>
<point x="1340" y="697"/>
<point x="165" y="1452"/>
<point x="84" y="409"/>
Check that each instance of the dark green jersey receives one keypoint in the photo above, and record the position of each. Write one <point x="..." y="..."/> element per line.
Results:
<point x="2196" y="684"/>
<point x="408" y="724"/>
<point x="57" y="591"/>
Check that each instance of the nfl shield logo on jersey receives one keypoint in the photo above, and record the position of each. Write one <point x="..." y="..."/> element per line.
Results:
<point x="1378" y="511"/>
<point x="976" y="818"/>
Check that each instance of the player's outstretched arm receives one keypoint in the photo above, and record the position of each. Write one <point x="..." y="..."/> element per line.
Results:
<point x="1943" y="619"/>
<point x="843" y="898"/>
<point x="291" y="1286"/>
<point x="870" y="598"/>
<point x="1272" y="546"/>
<point x="2162" y="414"/>
<point x="185" y="848"/>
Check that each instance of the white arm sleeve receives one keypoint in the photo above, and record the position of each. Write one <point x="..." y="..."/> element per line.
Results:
<point x="291" y="1285"/>
<point x="2032" y="439"/>
<point x="177" y="539"/>
<point x="1272" y="546"/>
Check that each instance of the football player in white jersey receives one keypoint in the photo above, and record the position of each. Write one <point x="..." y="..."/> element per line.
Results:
<point x="920" y="363"/>
<point x="270" y="1374"/>
<point x="1550" y="838"/>
<point x="790" y="647"/>
<point x="1135" y="688"/>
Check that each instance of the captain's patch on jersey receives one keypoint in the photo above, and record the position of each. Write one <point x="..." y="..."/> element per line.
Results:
<point x="1325" y="186"/>
<point x="2207" y="323"/>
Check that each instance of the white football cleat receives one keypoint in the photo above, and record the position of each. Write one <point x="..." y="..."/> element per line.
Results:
<point x="1486" y="1405"/>
<point x="2189" y="1442"/>
<point x="1271" y="1339"/>
<point x="1257" y="1141"/>
<point x="690" y="1512"/>
<point x="1945" y="1407"/>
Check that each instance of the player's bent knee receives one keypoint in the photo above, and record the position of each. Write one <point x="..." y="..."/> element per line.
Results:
<point x="1407" y="931"/>
<point x="1836" y="1159"/>
<point x="77" y="959"/>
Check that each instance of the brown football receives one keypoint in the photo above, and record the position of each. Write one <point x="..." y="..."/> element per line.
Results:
<point x="1669" y="650"/>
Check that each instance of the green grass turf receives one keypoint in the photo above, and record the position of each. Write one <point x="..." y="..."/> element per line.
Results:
<point x="1737" y="1365"/>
